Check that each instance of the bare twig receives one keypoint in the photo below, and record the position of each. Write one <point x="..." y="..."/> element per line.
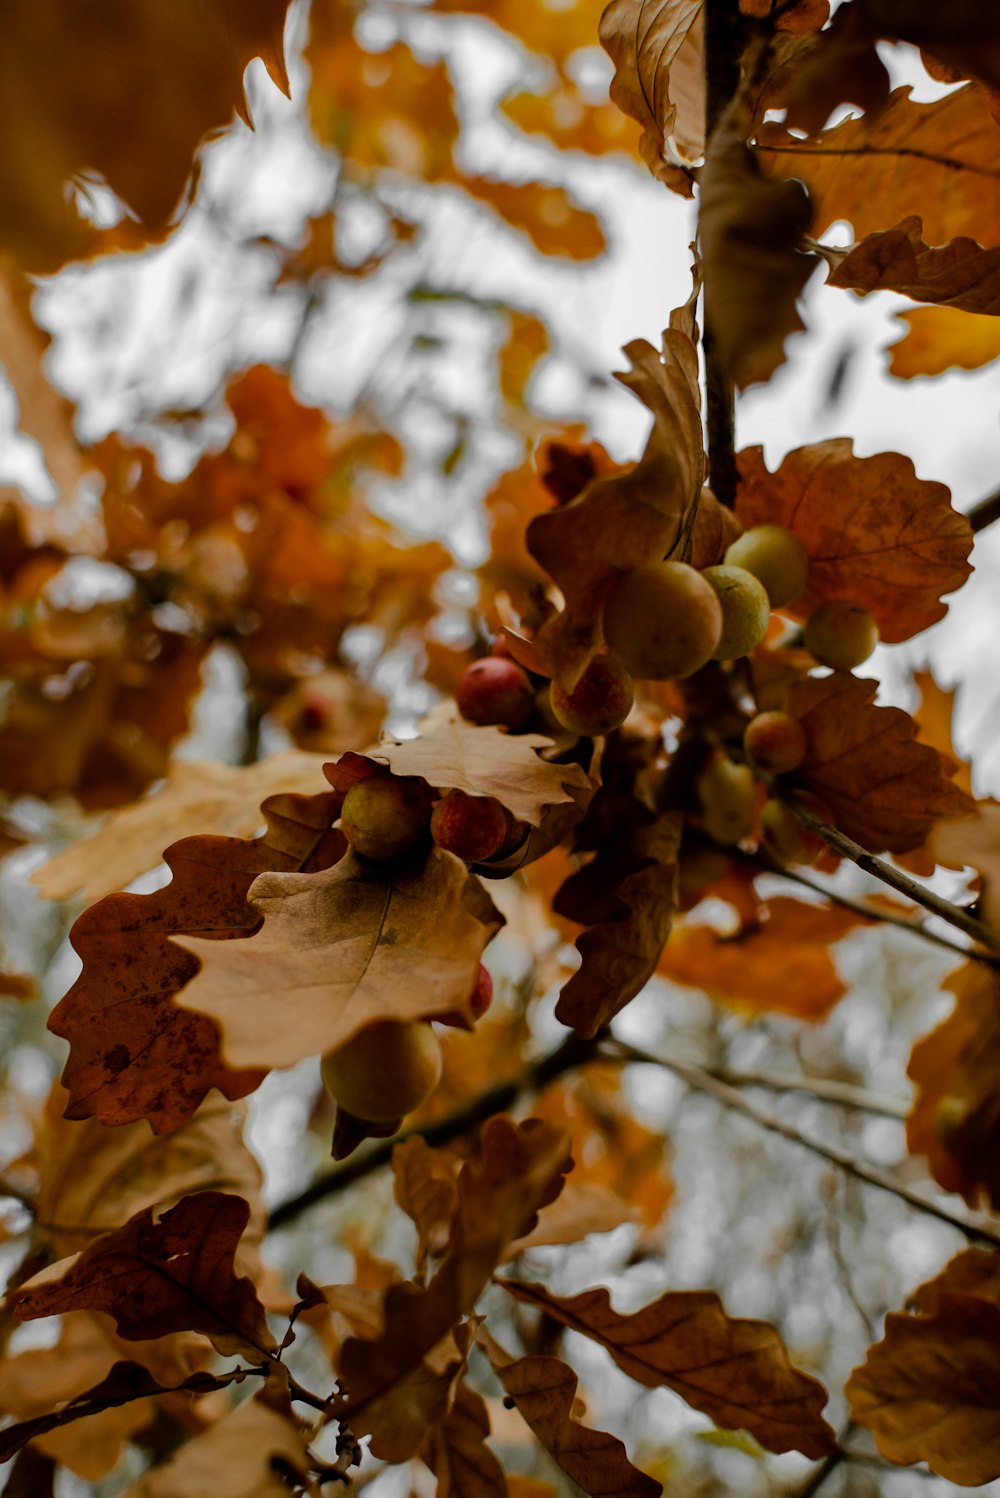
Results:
<point x="984" y="512"/>
<point x="823" y="1089"/>
<point x="572" y="1053"/>
<point x="704" y="1081"/>
<point x="897" y="880"/>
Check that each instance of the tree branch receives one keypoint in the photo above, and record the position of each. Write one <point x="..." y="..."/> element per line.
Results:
<point x="897" y="880"/>
<point x="984" y="512"/>
<point x="824" y="1089"/>
<point x="703" y="1081"/>
<point x="572" y="1053"/>
<point x="724" y="41"/>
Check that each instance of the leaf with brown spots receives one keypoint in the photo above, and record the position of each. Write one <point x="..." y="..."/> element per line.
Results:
<point x="884" y="788"/>
<point x="133" y="1053"/>
<point x="544" y="1391"/>
<point x="735" y="1371"/>
<point x="154" y="1277"/>
<point x="876" y="534"/>
<point x="626" y="896"/>
<point x="341" y="949"/>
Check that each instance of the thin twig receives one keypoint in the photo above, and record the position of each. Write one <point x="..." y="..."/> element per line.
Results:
<point x="819" y="1477"/>
<point x="879" y="869"/>
<point x="572" y="1053"/>
<point x="823" y="1089"/>
<point x="984" y="512"/>
<point x="703" y="1081"/>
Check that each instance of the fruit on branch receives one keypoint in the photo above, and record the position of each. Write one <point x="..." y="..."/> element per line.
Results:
<point x="482" y="994"/>
<point x="601" y="700"/>
<point x="746" y="610"/>
<point x="775" y="742"/>
<point x="386" y="816"/>
<point x="473" y="827"/>
<point x="785" y="837"/>
<point x="840" y="634"/>
<point x="775" y="556"/>
<point x="495" y="690"/>
<point x="515" y="834"/>
<point x="663" y="620"/>
<point x="727" y="793"/>
<point x="386" y="1070"/>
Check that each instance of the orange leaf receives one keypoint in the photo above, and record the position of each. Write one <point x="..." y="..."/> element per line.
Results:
<point x="544" y="1390"/>
<point x="155" y="1277"/>
<point x="782" y="966"/>
<point x="875" y="533"/>
<point x="339" y="950"/>
<point x="544" y="211"/>
<point x="735" y="1371"/>
<point x="940" y="338"/>
<point x="972" y="839"/>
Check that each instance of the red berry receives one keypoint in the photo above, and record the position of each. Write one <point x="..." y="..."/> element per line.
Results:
<point x="514" y="835"/>
<point x="482" y="994"/>
<point x="495" y="690"/>
<point x="473" y="827"/>
<point x="600" y="701"/>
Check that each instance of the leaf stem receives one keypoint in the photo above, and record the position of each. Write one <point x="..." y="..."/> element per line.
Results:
<point x="704" y="1081"/>
<point x="897" y="880"/>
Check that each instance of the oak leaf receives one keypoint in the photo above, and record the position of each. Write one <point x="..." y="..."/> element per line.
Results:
<point x="735" y="1371"/>
<point x="134" y="1054"/>
<point x="581" y="1208"/>
<point x="955" y="1119"/>
<point x="937" y="160"/>
<point x="930" y="1390"/>
<point x="626" y="896"/>
<point x="519" y="1171"/>
<point x="751" y="228"/>
<point x="544" y="1391"/>
<point x="455" y="1450"/>
<point x="398" y="1419"/>
<point x="960" y="274"/>
<point x="973" y="840"/>
<point x="154" y="1277"/>
<point x="40" y="1380"/>
<point x="545" y="212"/>
<point x="241" y="1456"/>
<point x="623" y="520"/>
<point x="199" y="796"/>
<point x="884" y="788"/>
<point x="966" y="36"/>
<point x="425" y="1185"/>
<point x="485" y="762"/>
<point x="941" y="338"/>
<point x="789" y="937"/>
<point x="876" y="534"/>
<point x="341" y="949"/>
<point x="643" y="43"/>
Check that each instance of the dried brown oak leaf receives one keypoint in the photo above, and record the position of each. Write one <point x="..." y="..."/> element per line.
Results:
<point x="974" y="840"/>
<point x="544" y="1391"/>
<point x="425" y="1185"/>
<point x="626" y="519"/>
<point x="199" y="797"/>
<point x="398" y="1419"/>
<point x="154" y="1277"/>
<point x="341" y="949"/>
<point x="965" y="35"/>
<point x="172" y="68"/>
<point x="456" y="1452"/>
<point x="751" y="229"/>
<point x="955" y="1120"/>
<point x="937" y="160"/>
<point x="876" y="533"/>
<point x="643" y="41"/>
<point x="133" y="1053"/>
<point x="735" y="1371"/>
<point x="92" y="1179"/>
<point x="960" y="274"/>
<point x="930" y="1390"/>
<point x="43" y="1379"/>
<point x="485" y="762"/>
<point x="520" y="1170"/>
<point x="626" y="896"/>
<point x="789" y="936"/>
<point x="884" y="788"/>
<point x="241" y="1456"/>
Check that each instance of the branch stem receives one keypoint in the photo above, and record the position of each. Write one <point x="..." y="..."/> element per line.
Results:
<point x="704" y="1081"/>
<point x="897" y="880"/>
